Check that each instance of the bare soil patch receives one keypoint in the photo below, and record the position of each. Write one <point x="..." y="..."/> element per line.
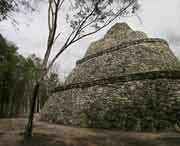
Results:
<point x="11" y="134"/>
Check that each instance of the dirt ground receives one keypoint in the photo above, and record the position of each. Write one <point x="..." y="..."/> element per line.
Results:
<point x="11" y="134"/>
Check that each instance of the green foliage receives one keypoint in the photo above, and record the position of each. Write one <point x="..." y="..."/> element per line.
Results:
<point x="17" y="79"/>
<point x="5" y="7"/>
<point x="9" y="6"/>
<point x="103" y="11"/>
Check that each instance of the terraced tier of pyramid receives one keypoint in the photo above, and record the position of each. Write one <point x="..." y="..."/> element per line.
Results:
<point x="126" y="80"/>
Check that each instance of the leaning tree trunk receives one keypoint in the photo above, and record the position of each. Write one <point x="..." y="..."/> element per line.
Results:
<point x="52" y="23"/>
<point x="28" y="131"/>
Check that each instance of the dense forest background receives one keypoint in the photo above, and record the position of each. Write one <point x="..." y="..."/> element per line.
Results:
<point x="17" y="78"/>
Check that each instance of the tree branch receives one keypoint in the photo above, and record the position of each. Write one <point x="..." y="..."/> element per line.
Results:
<point x="60" y="5"/>
<point x="79" y="29"/>
<point x="73" y="40"/>
<point x="58" y="35"/>
<point x="108" y="22"/>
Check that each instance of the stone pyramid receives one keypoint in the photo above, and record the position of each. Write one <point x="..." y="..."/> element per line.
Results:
<point x="125" y="80"/>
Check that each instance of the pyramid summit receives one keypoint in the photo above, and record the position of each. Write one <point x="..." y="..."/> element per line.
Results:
<point x="125" y="80"/>
<point x="119" y="33"/>
<point x="118" y="28"/>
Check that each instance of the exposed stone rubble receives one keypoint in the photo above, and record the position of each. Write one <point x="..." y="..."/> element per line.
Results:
<point x="126" y="81"/>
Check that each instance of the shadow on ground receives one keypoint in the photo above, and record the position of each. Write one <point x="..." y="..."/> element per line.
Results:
<point x="58" y="135"/>
<point x="41" y="140"/>
<point x="111" y="140"/>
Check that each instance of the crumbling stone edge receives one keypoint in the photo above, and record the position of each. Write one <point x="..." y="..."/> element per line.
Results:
<point x="153" y="75"/>
<point x="122" y="45"/>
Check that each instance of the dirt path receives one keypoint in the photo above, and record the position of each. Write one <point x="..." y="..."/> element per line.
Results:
<point x="11" y="134"/>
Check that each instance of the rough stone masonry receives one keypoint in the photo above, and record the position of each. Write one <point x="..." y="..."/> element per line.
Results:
<point x="126" y="81"/>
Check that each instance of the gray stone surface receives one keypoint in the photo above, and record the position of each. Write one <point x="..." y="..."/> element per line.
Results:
<point x="141" y="105"/>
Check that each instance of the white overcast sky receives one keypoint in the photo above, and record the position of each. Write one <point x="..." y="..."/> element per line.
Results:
<point x="161" y="18"/>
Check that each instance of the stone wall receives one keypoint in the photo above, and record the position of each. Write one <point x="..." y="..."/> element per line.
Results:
<point x="129" y="57"/>
<point x="136" y="105"/>
<point x="125" y="81"/>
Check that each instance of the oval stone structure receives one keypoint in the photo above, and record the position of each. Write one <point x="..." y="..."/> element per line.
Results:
<point x="125" y="80"/>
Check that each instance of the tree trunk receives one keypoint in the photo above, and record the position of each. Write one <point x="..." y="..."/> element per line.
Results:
<point x="37" y="107"/>
<point x="29" y="126"/>
<point x="51" y="39"/>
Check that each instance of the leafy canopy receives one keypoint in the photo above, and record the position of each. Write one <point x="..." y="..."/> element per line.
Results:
<point x="7" y="7"/>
